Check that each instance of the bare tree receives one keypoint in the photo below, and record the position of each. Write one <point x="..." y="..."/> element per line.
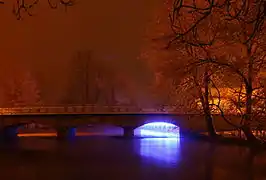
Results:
<point x="195" y="44"/>
<point x="96" y="81"/>
<point x="236" y="25"/>
<point x="194" y="82"/>
<point x="88" y="81"/>
<point x="80" y="85"/>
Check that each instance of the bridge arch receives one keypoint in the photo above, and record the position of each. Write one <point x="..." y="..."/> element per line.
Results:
<point x="157" y="129"/>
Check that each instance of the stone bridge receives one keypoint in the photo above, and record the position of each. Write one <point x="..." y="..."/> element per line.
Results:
<point x="65" y="122"/>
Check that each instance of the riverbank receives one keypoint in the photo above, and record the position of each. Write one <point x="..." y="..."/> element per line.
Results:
<point x="227" y="141"/>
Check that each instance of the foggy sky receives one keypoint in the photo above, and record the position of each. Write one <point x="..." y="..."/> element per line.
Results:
<point x="112" y="30"/>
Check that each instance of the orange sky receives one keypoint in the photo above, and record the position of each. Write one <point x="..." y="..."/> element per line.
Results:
<point x="47" y="41"/>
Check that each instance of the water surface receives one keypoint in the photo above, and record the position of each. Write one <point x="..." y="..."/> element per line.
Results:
<point x="96" y="157"/>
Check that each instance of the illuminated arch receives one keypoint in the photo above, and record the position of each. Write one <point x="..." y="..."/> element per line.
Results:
<point x="158" y="129"/>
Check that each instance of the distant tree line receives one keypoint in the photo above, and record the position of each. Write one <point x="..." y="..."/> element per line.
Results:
<point x="93" y="81"/>
<point x="20" y="90"/>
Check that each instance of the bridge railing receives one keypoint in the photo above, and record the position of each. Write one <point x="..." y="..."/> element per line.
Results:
<point x="89" y="109"/>
<point x="68" y="109"/>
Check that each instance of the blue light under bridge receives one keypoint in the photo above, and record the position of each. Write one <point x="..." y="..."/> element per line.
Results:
<point x="158" y="129"/>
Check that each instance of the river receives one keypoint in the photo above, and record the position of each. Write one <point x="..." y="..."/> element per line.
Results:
<point x="113" y="158"/>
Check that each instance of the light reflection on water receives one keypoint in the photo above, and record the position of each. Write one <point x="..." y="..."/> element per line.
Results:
<point x="160" y="150"/>
<point x="131" y="159"/>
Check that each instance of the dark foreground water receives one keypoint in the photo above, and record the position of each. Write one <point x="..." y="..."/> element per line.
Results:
<point x="110" y="158"/>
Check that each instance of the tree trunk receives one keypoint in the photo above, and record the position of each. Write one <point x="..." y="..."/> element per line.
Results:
<point x="206" y="106"/>
<point x="248" y="133"/>
<point x="210" y="125"/>
<point x="249" y="91"/>
<point x="246" y="128"/>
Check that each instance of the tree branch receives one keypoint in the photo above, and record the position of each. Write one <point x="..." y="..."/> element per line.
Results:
<point x="223" y="116"/>
<point x="21" y="6"/>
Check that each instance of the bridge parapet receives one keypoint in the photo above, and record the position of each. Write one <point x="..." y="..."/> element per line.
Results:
<point x="88" y="109"/>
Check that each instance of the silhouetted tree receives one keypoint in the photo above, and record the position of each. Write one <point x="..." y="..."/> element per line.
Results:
<point x="194" y="83"/>
<point x="81" y="84"/>
<point x="220" y="30"/>
<point x="186" y="54"/>
<point x="94" y="81"/>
